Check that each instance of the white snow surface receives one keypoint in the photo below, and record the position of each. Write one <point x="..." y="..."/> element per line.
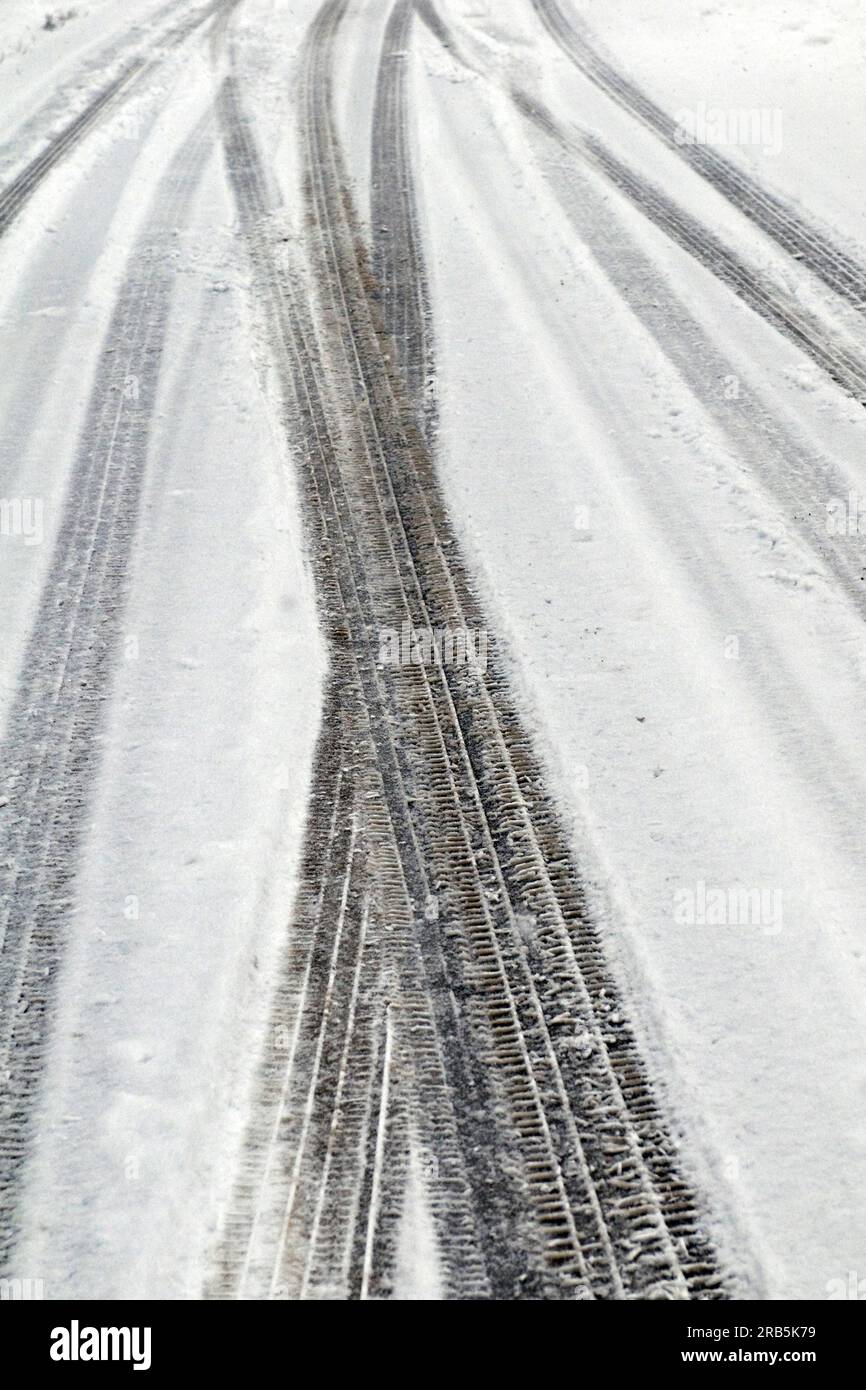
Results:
<point x="691" y="670"/>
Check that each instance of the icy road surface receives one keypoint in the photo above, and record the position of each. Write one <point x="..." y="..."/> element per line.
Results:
<point x="340" y="958"/>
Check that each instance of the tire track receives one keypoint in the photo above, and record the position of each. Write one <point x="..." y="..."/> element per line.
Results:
<point x="801" y="483"/>
<point x="35" y="130"/>
<point x="841" y="364"/>
<point x="563" y="1180"/>
<point x="50" y="752"/>
<point x="16" y="194"/>
<point x="412" y="884"/>
<point x="404" y="301"/>
<point x="470" y="717"/>
<point x="427" y="12"/>
<point x="792" y="232"/>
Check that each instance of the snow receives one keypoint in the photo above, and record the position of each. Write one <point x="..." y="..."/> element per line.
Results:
<point x="52" y="68"/>
<point x="680" y="766"/>
<point x="717" y="53"/>
<point x="417" y="1277"/>
<point x="686" y="656"/>
<point x="187" y="884"/>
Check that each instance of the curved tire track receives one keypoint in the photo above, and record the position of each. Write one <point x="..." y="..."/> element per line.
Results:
<point x="495" y="795"/>
<point x="342" y="1242"/>
<point x="50" y="751"/>
<point x="801" y="482"/>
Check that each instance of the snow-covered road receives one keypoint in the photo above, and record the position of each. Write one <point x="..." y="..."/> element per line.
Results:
<point x="324" y="975"/>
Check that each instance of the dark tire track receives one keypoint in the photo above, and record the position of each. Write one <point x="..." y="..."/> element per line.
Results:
<point x="262" y="1252"/>
<point x="792" y="232"/>
<point x="50" y="752"/>
<point x="557" y="1172"/>
<point x="471" y="718"/>
<point x="405" y="306"/>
